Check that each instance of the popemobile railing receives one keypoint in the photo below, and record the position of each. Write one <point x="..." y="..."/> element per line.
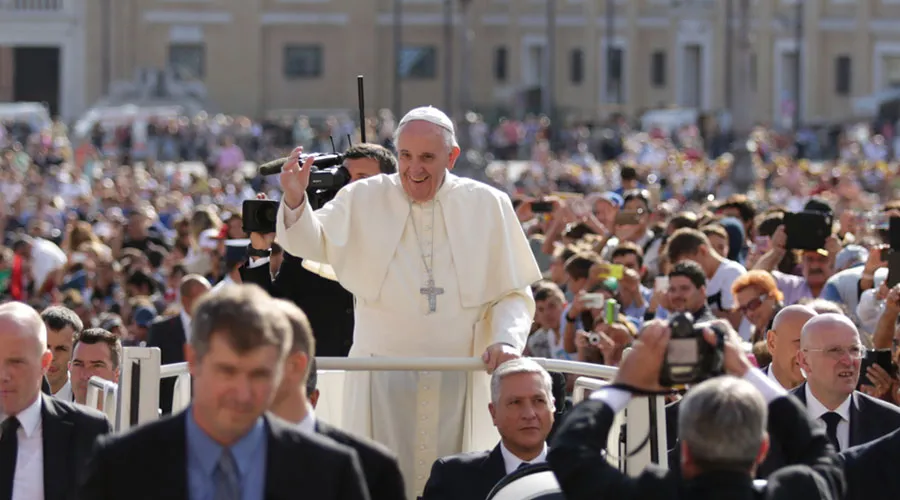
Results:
<point x="639" y="434"/>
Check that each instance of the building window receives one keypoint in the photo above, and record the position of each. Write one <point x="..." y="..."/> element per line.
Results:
<point x="302" y="61"/>
<point x="188" y="60"/>
<point x="842" y="75"/>
<point x="658" y="69"/>
<point x="576" y="69"/>
<point x="500" y="56"/>
<point x="891" y="72"/>
<point x="615" y="57"/>
<point x="418" y="62"/>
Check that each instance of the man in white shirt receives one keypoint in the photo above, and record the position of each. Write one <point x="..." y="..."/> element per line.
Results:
<point x="522" y="408"/>
<point x="32" y="423"/>
<point x="383" y="478"/>
<point x="830" y="355"/>
<point x="63" y="325"/>
<point x="691" y="244"/>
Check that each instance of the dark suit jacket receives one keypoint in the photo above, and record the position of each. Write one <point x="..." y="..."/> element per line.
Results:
<point x="69" y="433"/>
<point x="578" y="459"/>
<point x="382" y="473"/>
<point x="870" y="419"/>
<point x="465" y="476"/>
<point x="168" y="334"/>
<point x="150" y="463"/>
<point x="871" y="469"/>
<point x="326" y="303"/>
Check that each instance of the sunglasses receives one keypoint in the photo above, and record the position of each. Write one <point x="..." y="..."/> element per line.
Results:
<point x="753" y="304"/>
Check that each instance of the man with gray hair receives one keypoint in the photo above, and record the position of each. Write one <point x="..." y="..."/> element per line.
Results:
<point x="722" y="426"/>
<point x="522" y="408"/>
<point x="439" y="266"/>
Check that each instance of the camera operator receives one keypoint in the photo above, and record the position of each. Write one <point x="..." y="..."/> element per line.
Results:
<point x="327" y="304"/>
<point x="723" y="428"/>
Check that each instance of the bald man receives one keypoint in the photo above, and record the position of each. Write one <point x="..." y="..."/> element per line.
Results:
<point x="830" y="355"/>
<point x="172" y="333"/>
<point x="783" y="343"/>
<point x="44" y="441"/>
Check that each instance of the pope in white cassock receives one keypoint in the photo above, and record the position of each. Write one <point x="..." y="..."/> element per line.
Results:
<point x="440" y="267"/>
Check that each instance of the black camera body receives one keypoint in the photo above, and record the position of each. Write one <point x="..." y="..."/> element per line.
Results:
<point x="259" y="216"/>
<point x="328" y="172"/>
<point x="807" y="230"/>
<point x="690" y="359"/>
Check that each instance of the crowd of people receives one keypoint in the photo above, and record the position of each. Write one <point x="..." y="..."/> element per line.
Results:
<point x="611" y="231"/>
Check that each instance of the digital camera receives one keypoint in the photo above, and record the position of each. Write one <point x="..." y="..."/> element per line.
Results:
<point x="259" y="216"/>
<point x="689" y="357"/>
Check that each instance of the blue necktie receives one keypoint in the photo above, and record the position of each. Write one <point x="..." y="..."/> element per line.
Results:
<point x="225" y="478"/>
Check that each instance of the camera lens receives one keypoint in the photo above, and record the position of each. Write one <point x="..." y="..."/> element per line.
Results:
<point x="267" y="214"/>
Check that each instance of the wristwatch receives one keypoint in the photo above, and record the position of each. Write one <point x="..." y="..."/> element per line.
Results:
<point x="253" y="252"/>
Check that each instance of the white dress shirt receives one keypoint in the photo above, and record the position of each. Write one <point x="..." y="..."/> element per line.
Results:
<point x="771" y="373"/>
<point x="65" y="392"/>
<point x="513" y="462"/>
<point x="28" y="482"/>
<point x="816" y="409"/>
<point x="186" y="324"/>
<point x="308" y="424"/>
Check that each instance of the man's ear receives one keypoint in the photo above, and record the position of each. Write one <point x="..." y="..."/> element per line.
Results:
<point x="454" y="155"/>
<point x="801" y="359"/>
<point x="771" y="337"/>
<point x="46" y="360"/>
<point x="763" y="449"/>
<point x="190" y="355"/>
<point x="298" y="363"/>
<point x="493" y="412"/>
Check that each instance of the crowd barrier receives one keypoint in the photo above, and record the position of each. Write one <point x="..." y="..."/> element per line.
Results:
<point x="638" y="435"/>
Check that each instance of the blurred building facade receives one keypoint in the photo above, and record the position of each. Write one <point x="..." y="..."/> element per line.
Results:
<point x="256" y="56"/>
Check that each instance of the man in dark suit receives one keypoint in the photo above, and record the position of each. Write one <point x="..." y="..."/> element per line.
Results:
<point x="330" y="306"/>
<point x="379" y="465"/>
<point x="723" y="429"/>
<point x="326" y="303"/>
<point x="871" y="469"/>
<point x="830" y="355"/>
<point x="44" y="441"/>
<point x="171" y="334"/>
<point x="522" y="408"/>
<point x="224" y="445"/>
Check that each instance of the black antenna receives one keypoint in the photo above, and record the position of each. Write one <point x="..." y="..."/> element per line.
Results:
<point x="333" y="149"/>
<point x="362" y="108"/>
<point x="349" y="140"/>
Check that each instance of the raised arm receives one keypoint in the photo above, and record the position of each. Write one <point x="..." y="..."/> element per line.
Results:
<point x="315" y="235"/>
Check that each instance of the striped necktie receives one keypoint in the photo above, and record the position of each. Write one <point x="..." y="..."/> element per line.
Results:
<point x="225" y="478"/>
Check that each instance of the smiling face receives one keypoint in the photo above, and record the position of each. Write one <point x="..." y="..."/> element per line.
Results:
<point x="424" y="157"/>
<point x="831" y="371"/>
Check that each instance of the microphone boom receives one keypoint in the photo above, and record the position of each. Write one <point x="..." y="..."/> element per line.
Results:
<point x="272" y="167"/>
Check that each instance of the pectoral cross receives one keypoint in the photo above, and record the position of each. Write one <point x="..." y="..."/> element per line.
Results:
<point x="432" y="292"/>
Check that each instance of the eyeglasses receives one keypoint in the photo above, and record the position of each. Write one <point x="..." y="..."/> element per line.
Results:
<point x="854" y="352"/>
<point x="753" y="304"/>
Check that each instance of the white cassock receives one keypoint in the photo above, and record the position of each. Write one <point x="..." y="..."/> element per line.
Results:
<point x="483" y="262"/>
